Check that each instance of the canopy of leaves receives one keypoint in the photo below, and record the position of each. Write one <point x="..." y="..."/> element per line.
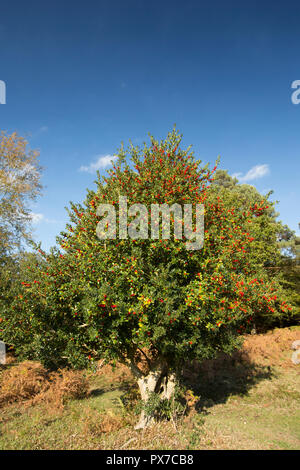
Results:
<point x="276" y="247"/>
<point x="117" y="298"/>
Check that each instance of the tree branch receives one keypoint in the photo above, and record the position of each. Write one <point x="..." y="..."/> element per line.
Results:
<point x="136" y="370"/>
<point x="146" y="357"/>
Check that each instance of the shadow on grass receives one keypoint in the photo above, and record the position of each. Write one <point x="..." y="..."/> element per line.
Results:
<point x="122" y="386"/>
<point x="214" y="381"/>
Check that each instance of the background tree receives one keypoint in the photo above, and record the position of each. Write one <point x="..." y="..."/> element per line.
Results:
<point x="222" y="178"/>
<point x="151" y="304"/>
<point x="19" y="185"/>
<point x="290" y="268"/>
<point x="275" y="247"/>
<point x="20" y="175"/>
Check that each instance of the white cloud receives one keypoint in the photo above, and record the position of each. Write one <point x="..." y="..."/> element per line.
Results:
<point x="36" y="218"/>
<point x="101" y="162"/>
<point x="39" y="131"/>
<point x="258" y="171"/>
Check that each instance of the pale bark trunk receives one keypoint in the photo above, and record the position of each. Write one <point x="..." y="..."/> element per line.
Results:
<point x="159" y="380"/>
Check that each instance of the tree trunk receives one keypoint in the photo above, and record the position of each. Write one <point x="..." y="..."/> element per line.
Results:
<point x="159" y="380"/>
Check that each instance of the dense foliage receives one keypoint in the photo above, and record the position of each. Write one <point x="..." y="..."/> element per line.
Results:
<point x="275" y="249"/>
<point x="125" y="299"/>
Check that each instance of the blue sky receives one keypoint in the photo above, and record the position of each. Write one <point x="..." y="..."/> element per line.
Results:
<point x="83" y="76"/>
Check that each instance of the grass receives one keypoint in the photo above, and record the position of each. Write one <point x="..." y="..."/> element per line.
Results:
<point x="267" y="417"/>
<point x="249" y="401"/>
